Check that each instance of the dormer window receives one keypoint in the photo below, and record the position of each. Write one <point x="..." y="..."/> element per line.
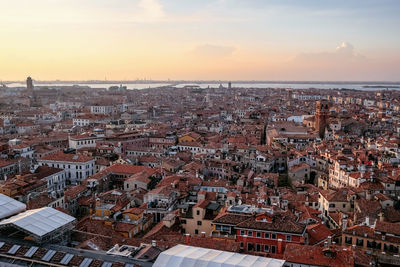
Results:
<point x="264" y="218"/>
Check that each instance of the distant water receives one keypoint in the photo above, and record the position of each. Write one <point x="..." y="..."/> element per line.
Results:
<point x="96" y="85"/>
<point x="355" y="86"/>
<point x="294" y="85"/>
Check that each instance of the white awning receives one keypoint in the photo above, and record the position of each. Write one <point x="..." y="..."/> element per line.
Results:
<point x="188" y="256"/>
<point x="39" y="221"/>
<point x="10" y="206"/>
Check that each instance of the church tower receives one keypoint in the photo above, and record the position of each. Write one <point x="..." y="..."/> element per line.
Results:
<point x="321" y="116"/>
<point x="33" y="97"/>
<point x="29" y="86"/>
<point x="382" y="106"/>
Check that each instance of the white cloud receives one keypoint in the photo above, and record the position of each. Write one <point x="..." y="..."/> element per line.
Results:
<point x="342" y="63"/>
<point x="345" y="48"/>
<point x="345" y="53"/>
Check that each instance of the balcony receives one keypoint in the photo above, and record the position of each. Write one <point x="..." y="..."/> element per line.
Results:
<point x="223" y="235"/>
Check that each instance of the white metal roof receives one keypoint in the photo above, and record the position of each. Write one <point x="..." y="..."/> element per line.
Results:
<point x="188" y="256"/>
<point x="10" y="206"/>
<point x="39" y="221"/>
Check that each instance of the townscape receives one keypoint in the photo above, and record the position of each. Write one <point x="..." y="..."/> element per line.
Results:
<point x="116" y="177"/>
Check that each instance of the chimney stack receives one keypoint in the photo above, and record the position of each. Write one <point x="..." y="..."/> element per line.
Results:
<point x="381" y="218"/>
<point x="245" y="242"/>
<point x="329" y="241"/>
<point x="187" y="238"/>
<point x="154" y="243"/>
<point x="280" y="246"/>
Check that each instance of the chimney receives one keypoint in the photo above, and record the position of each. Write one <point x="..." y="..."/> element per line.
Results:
<point x="187" y="239"/>
<point x="154" y="243"/>
<point x="280" y="246"/>
<point x="367" y="220"/>
<point x="203" y="234"/>
<point x="329" y="241"/>
<point x="245" y="242"/>
<point x="381" y="218"/>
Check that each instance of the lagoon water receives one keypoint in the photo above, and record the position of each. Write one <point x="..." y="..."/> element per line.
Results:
<point x="367" y="86"/>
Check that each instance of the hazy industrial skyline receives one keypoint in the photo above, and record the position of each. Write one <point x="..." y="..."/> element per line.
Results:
<point x="200" y="40"/>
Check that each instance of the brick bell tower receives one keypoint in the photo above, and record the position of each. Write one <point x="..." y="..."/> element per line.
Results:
<point x="321" y="116"/>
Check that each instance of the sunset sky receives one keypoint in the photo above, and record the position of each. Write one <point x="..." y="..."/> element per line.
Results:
<point x="207" y="39"/>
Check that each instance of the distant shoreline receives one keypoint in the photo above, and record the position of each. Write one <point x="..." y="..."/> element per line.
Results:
<point x="381" y="86"/>
<point x="366" y="84"/>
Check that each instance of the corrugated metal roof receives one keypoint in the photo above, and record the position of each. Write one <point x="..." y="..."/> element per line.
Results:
<point x="49" y="255"/>
<point x="86" y="262"/>
<point x="30" y="252"/>
<point x="67" y="258"/>
<point x="106" y="264"/>
<point x="188" y="256"/>
<point x="10" y="206"/>
<point x="13" y="249"/>
<point x="39" y="221"/>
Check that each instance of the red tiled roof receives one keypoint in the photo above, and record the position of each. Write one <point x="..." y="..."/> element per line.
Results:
<point x="129" y="169"/>
<point x="318" y="233"/>
<point x="61" y="156"/>
<point x="319" y="256"/>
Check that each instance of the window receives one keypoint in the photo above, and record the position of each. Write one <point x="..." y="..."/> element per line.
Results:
<point x="273" y="236"/>
<point x="266" y="235"/>
<point x="250" y="247"/>
<point x="258" y="247"/>
<point x="258" y="234"/>
<point x="183" y="221"/>
<point x="266" y="248"/>
<point x="196" y="232"/>
<point x="197" y="212"/>
<point x="344" y="206"/>
<point x="288" y="238"/>
<point x="242" y="232"/>
<point x="273" y="249"/>
<point x="331" y="205"/>
<point x="250" y="233"/>
<point x="198" y="222"/>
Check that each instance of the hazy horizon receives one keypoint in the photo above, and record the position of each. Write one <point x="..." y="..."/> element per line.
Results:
<point x="199" y="81"/>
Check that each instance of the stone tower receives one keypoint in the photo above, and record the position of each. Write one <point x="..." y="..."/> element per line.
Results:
<point x="29" y="85"/>
<point x="382" y="106"/>
<point x="321" y="117"/>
